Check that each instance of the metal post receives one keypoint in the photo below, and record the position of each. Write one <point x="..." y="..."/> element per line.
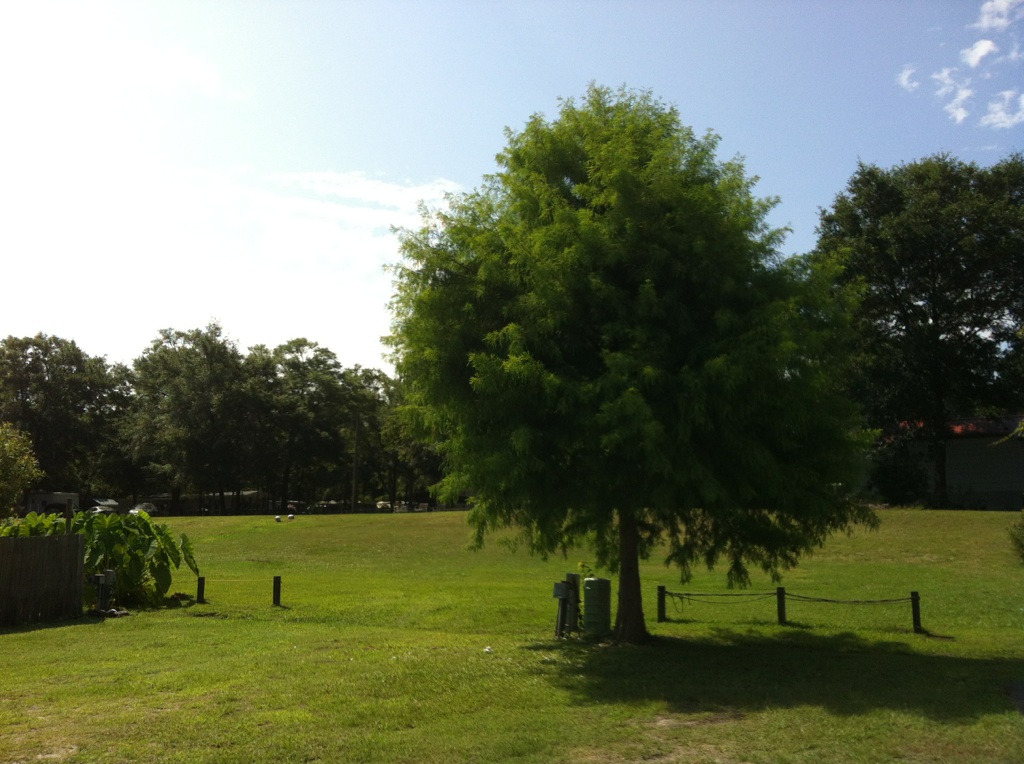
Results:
<point x="277" y="590"/>
<point x="661" y="605"/>
<point x="572" y="623"/>
<point x="101" y="596"/>
<point x="915" y="606"/>
<point x="201" y="590"/>
<point x="780" y="596"/>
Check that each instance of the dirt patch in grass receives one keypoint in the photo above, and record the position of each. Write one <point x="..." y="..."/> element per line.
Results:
<point x="56" y="754"/>
<point x="59" y="755"/>
<point x="673" y="720"/>
<point x="659" y="743"/>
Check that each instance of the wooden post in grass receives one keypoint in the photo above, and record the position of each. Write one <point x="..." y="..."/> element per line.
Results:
<point x="201" y="590"/>
<point x="780" y="598"/>
<point x="915" y="606"/>
<point x="277" y="590"/>
<point x="661" y="605"/>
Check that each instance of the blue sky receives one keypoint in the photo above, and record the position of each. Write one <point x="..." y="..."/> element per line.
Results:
<point x="164" y="165"/>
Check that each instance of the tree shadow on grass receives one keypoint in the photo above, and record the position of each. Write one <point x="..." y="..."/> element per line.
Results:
<point x="83" y="620"/>
<point x="93" y="616"/>
<point x="740" y="672"/>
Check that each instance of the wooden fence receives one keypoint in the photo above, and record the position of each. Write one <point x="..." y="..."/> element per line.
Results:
<point x="41" y="578"/>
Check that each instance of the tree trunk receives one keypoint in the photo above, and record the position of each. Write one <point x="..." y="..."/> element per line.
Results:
<point x="630" y="625"/>
<point x="941" y="496"/>
<point x="355" y="464"/>
<point x="939" y="428"/>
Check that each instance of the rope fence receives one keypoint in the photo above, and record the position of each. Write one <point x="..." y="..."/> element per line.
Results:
<point x="201" y="587"/>
<point x="780" y="595"/>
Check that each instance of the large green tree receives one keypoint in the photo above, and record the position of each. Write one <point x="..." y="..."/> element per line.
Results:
<point x="605" y="344"/>
<point x="187" y="415"/>
<point x="18" y="467"/>
<point x="936" y="247"/>
<point x="311" y="408"/>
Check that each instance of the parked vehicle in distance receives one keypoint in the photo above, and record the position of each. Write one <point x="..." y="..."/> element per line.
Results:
<point x="102" y="506"/>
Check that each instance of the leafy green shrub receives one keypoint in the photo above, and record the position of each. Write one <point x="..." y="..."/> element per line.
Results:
<point x="142" y="554"/>
<point x="18" y="466"/>
<point x="1017" y="537"/>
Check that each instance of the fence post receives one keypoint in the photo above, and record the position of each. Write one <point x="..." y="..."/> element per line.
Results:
<point x="915" y="606"/>
<point x="201" y="590"/>
<point x="780" y="598"/>
<point x="277" y="590"/>
<point x="560" y="617"/>
<point x="661" y="605"/>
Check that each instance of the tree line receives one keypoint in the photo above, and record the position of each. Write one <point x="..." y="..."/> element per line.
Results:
<point x="194" y="416"/>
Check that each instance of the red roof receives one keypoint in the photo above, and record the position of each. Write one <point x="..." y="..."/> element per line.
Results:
<point x="976" y="427"/>
<point x="985" y="426"/>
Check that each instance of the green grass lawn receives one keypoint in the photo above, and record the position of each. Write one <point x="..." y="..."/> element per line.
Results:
<point x="378" y="654"/>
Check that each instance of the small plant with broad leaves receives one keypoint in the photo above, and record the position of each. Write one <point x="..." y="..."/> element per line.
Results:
<point x="142" y="553"/>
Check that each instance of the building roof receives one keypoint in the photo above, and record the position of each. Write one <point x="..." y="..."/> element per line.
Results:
<point x="974" y="427"/>
<point x="978" y="427"/>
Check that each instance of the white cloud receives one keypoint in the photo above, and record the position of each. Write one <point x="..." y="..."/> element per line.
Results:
<point x="986" y="63"/>
<point x="946" y="82"/>
<point x="999" y="112"/>
<point x="973" y="55"/>
<point x="948" y="85"/>
<point x="906" y="80"/>
<point x="956" y="108"/>
<point x="998" y="14"/>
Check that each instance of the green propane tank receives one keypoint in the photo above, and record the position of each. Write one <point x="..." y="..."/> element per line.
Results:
<point x="597" y="607"/>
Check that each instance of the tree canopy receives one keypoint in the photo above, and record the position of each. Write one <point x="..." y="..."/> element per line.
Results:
<point x="605" y="344"/>
<point x="54" y="393"/>
<point x="936" y="249"/>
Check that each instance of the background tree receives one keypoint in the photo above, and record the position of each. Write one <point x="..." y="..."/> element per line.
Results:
<point x="937" y="249"/>
<point x="261" y="431"/>
<point x="368" y="457"/>
<point x="311" y="409"/>
<point x="603" y="342"/>
<point x="18" y="467"/>
<point x="54" y="392"/>
<point x="110" y="468"/>
<point x="408" y="465"/>
<point x="187" y="416"/>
